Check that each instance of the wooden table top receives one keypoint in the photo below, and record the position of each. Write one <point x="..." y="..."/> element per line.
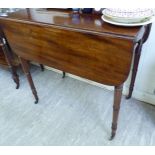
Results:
<point x="67" y="19"/>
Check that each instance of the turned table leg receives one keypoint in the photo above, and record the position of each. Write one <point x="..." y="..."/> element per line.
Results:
<point x="116" y="107"/>
<point x="25" y="66"/>
<point x="134" y="69"/>
<point x="9" y="61"/>
<point x="42" y="67"/>
<point x="64" y="74"/>
<point x="15" y="76"/>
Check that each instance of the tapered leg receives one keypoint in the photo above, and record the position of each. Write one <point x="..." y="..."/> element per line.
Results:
<point x="116" y="107"/>
<point x="15" y="76"/>
<point x="134" y="69"/>
<point x="42" y="67"/>
<point x="64" y="74"/>
<point x="11" y="66"/>
<point x="25" y="66"/>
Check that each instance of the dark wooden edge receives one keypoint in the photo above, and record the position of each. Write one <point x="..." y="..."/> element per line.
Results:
<point x="107" y="34"/>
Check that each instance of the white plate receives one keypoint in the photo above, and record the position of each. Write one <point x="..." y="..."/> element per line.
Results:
<point x="128" y="24"/>
<point x="128" y="13"/>
<point x="125" y="19"/>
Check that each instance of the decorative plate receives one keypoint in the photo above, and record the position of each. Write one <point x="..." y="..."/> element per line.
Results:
<point x="128" y="13"/>
<point x="127" y="20"/>
<point x="128" y="24"/>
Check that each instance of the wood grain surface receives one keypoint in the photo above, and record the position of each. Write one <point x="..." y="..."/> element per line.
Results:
<point x="102" y="59"/>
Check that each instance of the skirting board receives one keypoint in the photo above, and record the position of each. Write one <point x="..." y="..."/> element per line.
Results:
<point x="141" y="96"/>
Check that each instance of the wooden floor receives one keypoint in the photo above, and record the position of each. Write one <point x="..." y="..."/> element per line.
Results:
<point x="70" y="112"/>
